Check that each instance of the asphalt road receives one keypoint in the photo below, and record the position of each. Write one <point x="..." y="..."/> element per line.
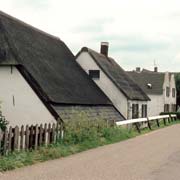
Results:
<point x="154" y="156"/>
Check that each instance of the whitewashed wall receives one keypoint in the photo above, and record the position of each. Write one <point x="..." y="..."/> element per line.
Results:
<point x="156" y="105"/>
<point x="27" y="107"/>
<point x="170" y="82"/>
<point x="105" y="84"/>
<point x="115" y="95"/>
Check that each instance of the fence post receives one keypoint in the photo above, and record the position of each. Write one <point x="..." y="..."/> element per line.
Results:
<point x="27" y="137"/>
<point x="31" y="136"/>
<point x="164" y="120"/>
<point x="57" y="131"/>
<point x="5" y="142"/>
<point x="137" y="127"/>
<point x="157" y="121"/>
<point x="10" y="139"/>
<point x="49" y="134"/>
<point x="45" y="134"/>
<point x="40" y="135"/>
<point x="149" y="124"/>
<point x="36" y="137"/>
<point x="169" y="120"/>
<point x="53" y="133"/>
<point x="22" y="141"/>
<point x="16" y="138"/>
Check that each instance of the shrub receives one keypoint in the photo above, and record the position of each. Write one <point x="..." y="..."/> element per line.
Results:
<point x="3" y="121"/>
<point x="81" y="129"/>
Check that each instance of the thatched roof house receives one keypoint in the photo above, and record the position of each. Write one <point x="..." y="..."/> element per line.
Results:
<point x="125" y="94"/>
<point x="159" y="86"/>
<point x="50" y="69"/>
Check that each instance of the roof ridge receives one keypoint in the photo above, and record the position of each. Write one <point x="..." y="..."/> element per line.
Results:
<point x="28" y="25"/>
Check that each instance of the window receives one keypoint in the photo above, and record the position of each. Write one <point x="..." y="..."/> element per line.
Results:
<point x="173" y="107"/>
<point x="144" y="110"/>
<point x="167" y="91"/>
<point x="173" y="92"/>
<point x="166" y="108"/>
<point x="135" y="111"/>
<point x="94" y="74"/>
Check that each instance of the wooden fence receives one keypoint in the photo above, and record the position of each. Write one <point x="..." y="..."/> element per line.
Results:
<point x="136" y="122"/>
<point x="29" y="137"/>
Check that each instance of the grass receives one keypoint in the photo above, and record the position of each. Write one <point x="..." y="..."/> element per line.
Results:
<point x="80" y="136"/>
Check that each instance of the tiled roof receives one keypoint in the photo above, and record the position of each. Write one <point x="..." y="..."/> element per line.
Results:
<point x="145" y="77"/>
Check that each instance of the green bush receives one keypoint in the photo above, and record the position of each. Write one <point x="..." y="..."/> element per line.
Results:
<point x="82" y="129"/>
<point x="3" y="121"/>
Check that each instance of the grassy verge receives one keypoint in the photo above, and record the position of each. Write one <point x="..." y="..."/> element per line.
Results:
<point x="79" y="137"/>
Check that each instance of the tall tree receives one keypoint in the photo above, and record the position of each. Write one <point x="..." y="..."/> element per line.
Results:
<point x="177" y="79"/>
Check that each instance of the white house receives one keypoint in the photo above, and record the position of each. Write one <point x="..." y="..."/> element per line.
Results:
<point x="40" y="80"/>
<point x="125" y="94"/>
<point x="160" y="87"/>
<point x="19" y="103"/>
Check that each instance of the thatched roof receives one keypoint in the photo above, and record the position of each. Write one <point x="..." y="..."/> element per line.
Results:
<point x="117" y="75"/>
<point x="49" y="67"/>
<point x="49" y="62"/>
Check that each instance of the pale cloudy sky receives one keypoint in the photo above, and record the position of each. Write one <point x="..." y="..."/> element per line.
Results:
<point x="139" y="31"/>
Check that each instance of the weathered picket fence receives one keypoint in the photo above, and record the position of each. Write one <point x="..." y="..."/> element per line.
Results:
<point x="29" y="137"/>
<point x="136" y="122"/>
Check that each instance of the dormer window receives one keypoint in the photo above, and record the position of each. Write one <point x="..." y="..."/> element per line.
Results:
<point x="94" y="74"/>
<point x="149" y="86"/>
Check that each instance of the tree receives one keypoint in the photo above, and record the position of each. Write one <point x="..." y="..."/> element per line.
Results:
<point x="3" y="121"/>
<point x="177" y="79"/>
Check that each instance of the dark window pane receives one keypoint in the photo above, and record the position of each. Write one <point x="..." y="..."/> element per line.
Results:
<point x="135" y="111"/>
<point x="167" y="91"/>
<point x="94" y="74"/>
<point x="173" y="92"/>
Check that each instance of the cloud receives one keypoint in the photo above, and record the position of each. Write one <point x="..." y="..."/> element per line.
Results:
<point x="92" y="25"/>
<point x="138" y="31"/>
<point x="40" y="4"/>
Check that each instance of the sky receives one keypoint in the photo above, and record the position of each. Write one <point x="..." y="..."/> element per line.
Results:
<point x="140" y="33"/>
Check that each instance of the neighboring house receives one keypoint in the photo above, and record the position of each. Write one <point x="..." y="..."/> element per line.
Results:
<point x="160" y="87"/>
<point x="41" y="81"/>
<point x="125" y="94"/>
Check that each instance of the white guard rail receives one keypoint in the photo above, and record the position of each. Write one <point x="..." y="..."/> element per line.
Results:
<point x="131" y="121"/>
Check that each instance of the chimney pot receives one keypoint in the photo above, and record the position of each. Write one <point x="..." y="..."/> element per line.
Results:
<point x="138" y="69"/>
<point x="155" y="69"/>
<point x="104" y="48"/>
